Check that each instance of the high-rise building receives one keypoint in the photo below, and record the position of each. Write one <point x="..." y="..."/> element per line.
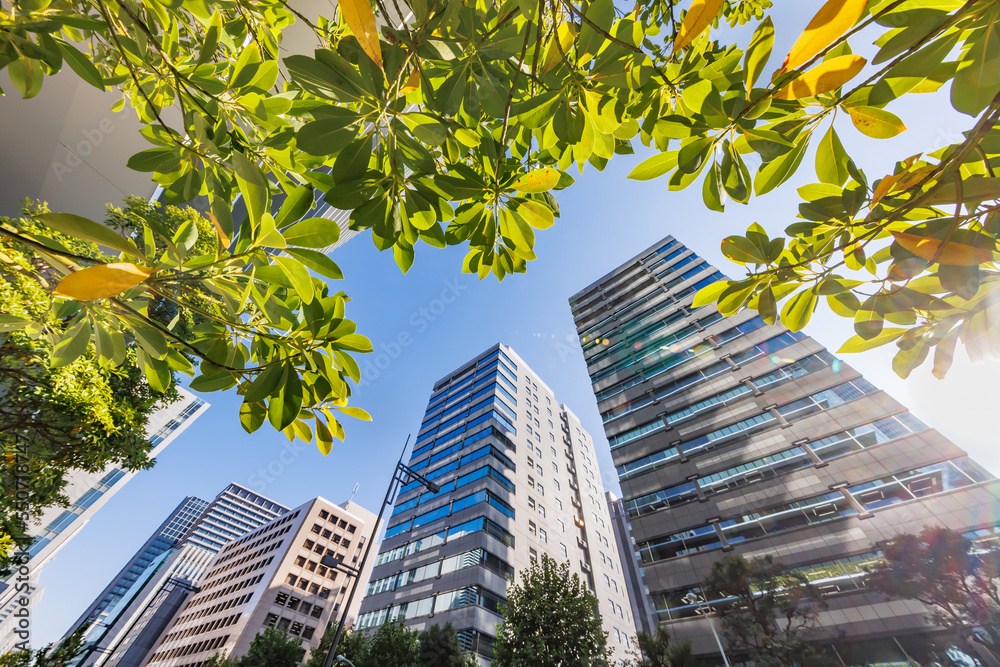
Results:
<point x="731" y="436"/>
<point x="638" y="594"/>
<point x="86" y="493"/>
<point x="518" y="479"/>
<point x="272" y="577"/>
<point x="129" y="615"/>
<point x="167" y="536"/>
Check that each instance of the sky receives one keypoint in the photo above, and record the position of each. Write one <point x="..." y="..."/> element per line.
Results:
<point x="429" y="322"/>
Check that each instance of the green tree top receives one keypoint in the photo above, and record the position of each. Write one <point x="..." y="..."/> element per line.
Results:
<point x="551" y="619"/>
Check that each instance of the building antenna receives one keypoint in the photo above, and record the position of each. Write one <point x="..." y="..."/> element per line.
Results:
<point x="353" y="492"/>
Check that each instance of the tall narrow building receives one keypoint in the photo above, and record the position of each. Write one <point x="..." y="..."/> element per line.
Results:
<point x="734" y="437"/>
<point x="127" y="618"/>
<point x="518" y="479"/>
<point x="87" y="492"/>
<point x="272" y="577"/>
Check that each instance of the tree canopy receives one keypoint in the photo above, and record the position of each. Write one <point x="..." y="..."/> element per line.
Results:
<point x="456" y="125"/>
<point x="771" y="613"/>
<point x="551" y="619"/>
<point x="657" y="650"/>
<point x="956" y="577"/>
<point x="391" y="643"/>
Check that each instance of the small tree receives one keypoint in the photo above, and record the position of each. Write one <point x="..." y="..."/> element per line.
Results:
<point x="656" y="650"/>
<point x="772" y="613"/>
<point x="219" y="660"/>
<point x="61" y="656"/>
<point x="947" y="572"/>
<point x="551" y="619"/>
<point x="272" y="648"/>
<point x="439" y="647"/>
<point x="392" y="644"/>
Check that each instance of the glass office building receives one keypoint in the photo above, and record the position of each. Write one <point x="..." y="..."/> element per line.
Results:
<point x="518" y="479"/>
<point x="127" y="618"/>
<point x="731" y="436"/>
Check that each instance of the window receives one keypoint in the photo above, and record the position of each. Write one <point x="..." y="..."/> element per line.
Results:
<point x="532" y="528"/>
<point x="562" y="525"/>
<point x="555" y="483"/>
<point x="300" y="561"/>
<point x="314" y="589"/>
<point x="541" y="490"/>
<point x="559" y="503"/>
<point x="539" y="470"/>
<point x="324" y="593"/>
<point x="542" y="535"/>
<point x="281" y="598"/>
<point x="293" y="603"/>
<point x="541" y="510"/>
<point x="323" y="514"/>
<point x="620" y="613"/>
<point x="555" y="468"/>
<point x="607" y="581"/>
<point x="532" y="554"/>
<point x="552" y="437"/>
<point x="538" y="450"/>
<point x="309" y="544"/>
<point x="553" y="450"/>
<point x="531" y="482"/>
<point x="531" y="502"/>
<point x="531" y="462"/>
<point x="551" y="425"/>
<point x="562" y="548"/>
<point x="316" y="528"/>
<point x="292" y="579"/>
<point x="326" y="534"/>
<point x="307" y="632"/>
<point x="311" y="566"/>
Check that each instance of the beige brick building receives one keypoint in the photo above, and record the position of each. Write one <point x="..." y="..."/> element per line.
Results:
<point x="272" y="577"/>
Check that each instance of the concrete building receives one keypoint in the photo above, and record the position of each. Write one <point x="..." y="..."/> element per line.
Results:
<point x="518" y="479"/>
<point x="87" y="492"/>
<point x="732" y="436"/>
<point x="272" y="577"/>
<point x="129" y="615"/>
<point x="638" y="594"/>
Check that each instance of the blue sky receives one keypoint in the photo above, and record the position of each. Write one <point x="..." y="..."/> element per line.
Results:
<point x="606" y="219"/>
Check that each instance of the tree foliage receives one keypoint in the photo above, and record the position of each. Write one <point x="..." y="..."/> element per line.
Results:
<point x="62" y="409"/>
<point x="773" y="611"/>
<point x="457" y="125"/>
<point x="390" y="644"/>
<point x="657" y="650"/>
<point x="439" y="647"/>
<point x="62" y="655"/>
<point x="551" y="619"/>
<point x="953" y="575"/>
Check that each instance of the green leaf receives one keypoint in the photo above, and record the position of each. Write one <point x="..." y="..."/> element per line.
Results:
<point x="759" y="51"/>
<point x="296" y="205"/>
<point x="324" y="439"/>
<point x="710" y="293"/>
<point x="299" y="276"/>
<point x="832" y="159"/>
<point x="859" y="344"/>
<point x="977" y="79"/>
<point x="80" y="64"/>
<point x="539" y="180"/>
<point x="742" y="250"/>
<point x="799" y="309"/>
<point x="149" y="159"/>
<point x="252" y="416"/>
<point x="654" y="167"/>
<point x="535" y="213"/>
<point x="356" y="412"/>
<point x="283" y="409"/>
<point x="312" y="233"/>
<point x="327" y="136"/>
<point x="317" y="261"/>
<point x="12" y="323"/>
<point x="780" y="169"/>
<point x="151" y="340"/>
<point x="26" y="74"/>
<point x="253" y="186"/>
<point x="72" y="345"/>
<point x="88" y="230"/>
<point x="265" y="384"/>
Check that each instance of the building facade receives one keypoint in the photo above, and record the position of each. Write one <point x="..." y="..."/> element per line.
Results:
<point x="87" y="493"/>
<point x="518" y="479"/>
<point x="638" y="594"/>
<point x="125" y="628"/>
<point x="272" y="577"/>
<point x="731" y="436"/>
<point x="164" y="538"/>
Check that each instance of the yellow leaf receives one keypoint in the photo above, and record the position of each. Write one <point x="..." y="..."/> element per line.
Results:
<point x="699" y="16"/>
<point x="218" y="229"/>
<point x="952" y="253"/>
<point x="539" y="180"/>
<point x="911" y="178"/>
<point x="823" y="78"/>
<point x="566" y="33"/>
<point x="412" y="83"/>
<point x="361" y="20"/>
<point x="102" y="281"/>
<point x="832" y="20"/>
